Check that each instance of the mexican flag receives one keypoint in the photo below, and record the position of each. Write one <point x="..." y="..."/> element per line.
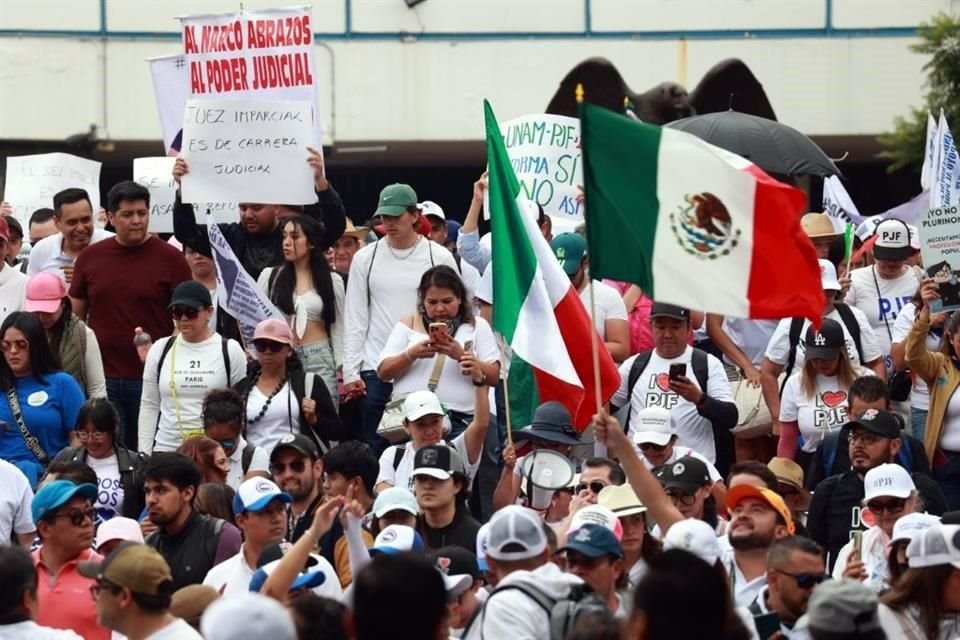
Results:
<point x="692" y="224"/>
<point x="535" y="308"/>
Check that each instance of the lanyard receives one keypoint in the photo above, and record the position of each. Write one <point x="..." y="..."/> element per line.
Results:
<point x="184" y="433"/>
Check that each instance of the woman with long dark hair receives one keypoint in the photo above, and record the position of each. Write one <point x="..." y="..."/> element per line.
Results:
<point x="42" y="402"/>
<point x="311" y="296"/>
<point x="72" y="342"/>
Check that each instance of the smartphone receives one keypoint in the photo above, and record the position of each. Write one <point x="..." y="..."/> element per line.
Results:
<point x="438" y="331"/>
<point x="468" y="346"/>
<point x="678" y="370"/>
<point x="857" y="537"/>
<point x="767" y="624"/>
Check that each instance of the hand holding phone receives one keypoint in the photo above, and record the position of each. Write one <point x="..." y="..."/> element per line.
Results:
<point x="678" y="370"/>
<point x="438" y="332"/>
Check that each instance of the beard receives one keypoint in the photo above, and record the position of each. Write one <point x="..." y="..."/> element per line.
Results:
<point x="750" y="540"/>
<point x="301" y="490"/>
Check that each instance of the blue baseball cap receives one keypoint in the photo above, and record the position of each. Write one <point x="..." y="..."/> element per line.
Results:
<point x="255" y="494"/>
<point x="594" y="541"/>
<point x="55" y="494"/>
<point x="397" y="538"/>
<point x="306" y="580"/>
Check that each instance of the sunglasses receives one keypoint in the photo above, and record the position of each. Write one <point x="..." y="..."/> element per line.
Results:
<point x="806" y="580"/>
<point x="184" y="312"/>
<point x="297" y="466"/>
<point x="895" y="505"/>
<point x="9" y="345"/>
<point x="678" y="497"/>
<point x="262" y="346"/>
<point x="595" y="486"/>
<point x="649" y="446"/>
<point x="77" y="517"/>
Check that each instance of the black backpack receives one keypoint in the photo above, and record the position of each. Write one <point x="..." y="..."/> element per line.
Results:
<point x="796" y="326"/>
<point x="563" y="613"/>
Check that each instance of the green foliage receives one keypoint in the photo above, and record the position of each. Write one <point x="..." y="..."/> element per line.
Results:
<point x="941" y="41"/>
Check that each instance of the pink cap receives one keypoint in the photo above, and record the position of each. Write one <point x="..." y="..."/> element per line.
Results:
<point x="273" y="329"/>
<point x="45" y="293"/>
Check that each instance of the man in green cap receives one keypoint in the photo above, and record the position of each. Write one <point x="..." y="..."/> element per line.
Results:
<point x="382" y="289"/>
<point x="608" y="311"/>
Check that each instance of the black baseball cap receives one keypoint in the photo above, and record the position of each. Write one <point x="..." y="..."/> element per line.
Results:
<point x="437" y="461"/>
<point x="453" y="561"/>
<point x="826" y="343"/>
<point x="191" y="294"/>
<point x="662" y="309"/>
<point x="882" y="423"/>
<point x="298" y="442"/>
<point x="687" y="474"/>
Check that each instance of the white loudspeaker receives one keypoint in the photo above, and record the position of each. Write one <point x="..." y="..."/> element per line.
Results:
<point x="545" y="471"/>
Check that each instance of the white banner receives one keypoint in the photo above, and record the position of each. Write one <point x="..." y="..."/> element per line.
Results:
<point x="32" y="181"/>
<point x="544" y="150"/>
<point x="171" y="90"/>
<point x="929" y="154"/>
<point x="945" y="189"/>
<point x="253" y="55"/>
<point x="247" y="151"/>
<point x="838" y="205"/>
<point x="156" y="174"/>
<point x="237" y="292"/>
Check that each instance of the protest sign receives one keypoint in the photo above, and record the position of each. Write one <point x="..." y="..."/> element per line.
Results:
<point x="253" y="55"/>
<point x="237" y="292"/>
<point x="247" y="151"/>
<point x="171" y="89"/>
<point x="945" y="185"/>
<point x="156" y="174"/>
<point x="838" y="205"/>
<point x="543" y="150"/>
<point x="32" y="181"/>
<point x="927" y="171"/>
<point x="940" y="249"/>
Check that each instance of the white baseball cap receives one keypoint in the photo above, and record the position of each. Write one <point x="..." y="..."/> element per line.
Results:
<point x="431" y="208"/>
<point x="119" y="528"/>
<point x="694" y="536"/>
<point x="828" y="276"/>
<point x="422" y="403"/>
<point x="256" y="493"/>
<point x="887" y="480"/>
<point x="936" y="546"/>
<point x="518" y="529"/>
<point x="868" y="227"/>
<point x="247" y="615"/>
<point x="395" y="499"/>
<point x="397" y="538"/>
<point x="653" y="425"/>
<point x="597" y="514"/>
<point x="911" y="525"/>
<point x="893" y="240"/>
<point x="482" y="547"/>
<point x="914" y="237"/>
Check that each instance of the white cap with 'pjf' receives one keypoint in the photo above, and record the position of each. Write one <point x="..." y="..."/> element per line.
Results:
<point x="887" y="480"/>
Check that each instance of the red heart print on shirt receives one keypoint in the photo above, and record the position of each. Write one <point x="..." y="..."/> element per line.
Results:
<point x="663" y="381"/>
<point x="834" y="398"/>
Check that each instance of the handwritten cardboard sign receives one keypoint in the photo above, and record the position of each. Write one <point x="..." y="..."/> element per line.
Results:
<point x="940" y="249"/>
<point x="32" y="181"/>
<point x="156" y="174"/>
<point x="247" y="151"/>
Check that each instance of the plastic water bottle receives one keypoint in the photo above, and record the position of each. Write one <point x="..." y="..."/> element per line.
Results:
<point x="142" y="341"/>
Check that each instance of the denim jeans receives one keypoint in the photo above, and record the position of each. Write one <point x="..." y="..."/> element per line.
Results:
<point x="948" y="477"/>
<point x="918" y="423"/>
<point x="124" y="395"/>
<point x="378" y="394"/>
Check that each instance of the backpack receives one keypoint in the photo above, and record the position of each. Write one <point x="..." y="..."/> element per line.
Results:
<point x="564" y="613"/>
<point x="796" y="326"/>
<point x="247" y="457"/>
<point x="223" y="346"/>
<point x="698" y="362"/>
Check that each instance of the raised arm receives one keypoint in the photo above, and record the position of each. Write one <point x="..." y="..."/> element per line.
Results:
<point x="476" y="431"/>
<point x="468" y="240"/>
<point x="329" y="207"/>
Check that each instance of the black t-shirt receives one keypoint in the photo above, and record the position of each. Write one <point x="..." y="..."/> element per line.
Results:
<point x="835" y="509"/>
<point x="461" y="532"/>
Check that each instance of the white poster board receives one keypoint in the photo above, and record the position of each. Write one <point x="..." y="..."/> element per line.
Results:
<point x="32" y="181"/>
<point x="247" y="151"/>
<point x="156" y="174"/>
<point x="940" y="249"/>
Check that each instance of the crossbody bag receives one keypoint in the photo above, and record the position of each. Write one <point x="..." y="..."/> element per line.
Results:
<point x="391" y="423"/>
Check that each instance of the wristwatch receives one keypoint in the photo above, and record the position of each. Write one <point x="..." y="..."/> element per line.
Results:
<point x="482" y="382"/>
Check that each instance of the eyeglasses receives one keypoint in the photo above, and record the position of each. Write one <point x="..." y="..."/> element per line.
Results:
<point x="866" y="437"/>
<point x="262" y="346"/>
<point x="184" y="312"/>
<point x="77" y="517"/>
<point x="97" y="587"/>
<point x="595" y="486"/>
<point x="297" y="466"/>
<point x="678" y="497"/>
<point x="894" y="505"/>
<point x="98" y="436"/>
<point x="806" y="580"/>
<point x="9" y="345"/>
<point x="649" y="446"/>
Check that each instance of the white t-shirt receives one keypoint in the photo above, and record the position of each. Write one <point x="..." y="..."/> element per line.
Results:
<point x="47" y="255"/>
<point x="919" y="392"/>
<point x="680" y="452"/>
<point x="259" y="462"/>
<point x="874" y="556"/>
<point x="176" y="630"/>
<point x="30" y="630"/>
<point x="609" y="305"/>
<point x="455" y="390"/>
<point x="402" y="476"/>
<point x="652" y="390"/>
<point x="15" y="499"/>
<point x="281" y="417"/>
<point x="826" y="411"/>
<point x="13" y="290"/>
<point x="744" y="592"/>
<point x="881" y="311"/>
<point x="109" y="490"/>
<point x="778" y="350"/>
<point x="372" y="312"/>
<point x="197" y="368"/>
<point x="751" y="336"/>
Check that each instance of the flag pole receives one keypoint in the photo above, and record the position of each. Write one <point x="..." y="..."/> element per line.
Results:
<point x="505" y="373"/>
<point x="594" y="336"/>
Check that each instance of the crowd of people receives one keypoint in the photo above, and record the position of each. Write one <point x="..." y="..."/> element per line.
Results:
<point x="350" y="472"/>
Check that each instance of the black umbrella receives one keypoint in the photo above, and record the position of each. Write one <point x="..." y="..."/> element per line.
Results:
<point x="770" y="145"/>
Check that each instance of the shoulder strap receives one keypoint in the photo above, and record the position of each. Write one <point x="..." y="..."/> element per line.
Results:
<point x="701" y="367"/>
<point x="247" y="457"/>
<point x="398" y="455"/>
<point x="796" y="326"/>
<point x="435" y="374"/>
<point x="213" y="527"/>
<point x="272" y="279"/>
<point x="226" y="358"/>
<point x="544" y="601"/>
<point x="850" y="322"/>
<point x="829" y="448"/>
<point x="430" y="249"/>
<point x="373" y="255"/>
<point x="876" y="284"/>
<point x="636" y="370"/>
<point x="163" y="353"/>
<point x="905" y="455"/>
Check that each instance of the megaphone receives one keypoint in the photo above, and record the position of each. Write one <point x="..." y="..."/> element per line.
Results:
<point x="545" y="471"/>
